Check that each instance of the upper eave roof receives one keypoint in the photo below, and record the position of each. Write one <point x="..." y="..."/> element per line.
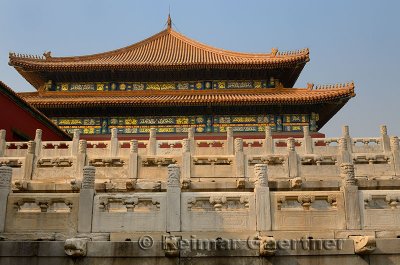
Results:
<point x="167" y="49"/>
<point x="289" y="96"/>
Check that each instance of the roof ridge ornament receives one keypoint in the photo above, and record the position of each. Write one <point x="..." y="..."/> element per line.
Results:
<point x="335" y="86"/>
<point x="169" y="22"/>
<point x="47" y="54"/>
<point x="274" y="51"/>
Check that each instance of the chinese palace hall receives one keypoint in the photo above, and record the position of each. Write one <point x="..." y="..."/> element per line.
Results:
<point x="171" y="82"/>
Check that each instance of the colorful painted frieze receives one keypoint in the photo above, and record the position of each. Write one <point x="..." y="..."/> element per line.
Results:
<point x="132" y="86"/>
<point x="180" y="124"/>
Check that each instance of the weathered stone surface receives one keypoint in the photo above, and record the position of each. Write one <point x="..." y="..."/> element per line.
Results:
<point x="364" y="244"/>
<point x="279" y="193"/>
<point x="42" y="212"/>
<point x="302" y="210"/>
<point x="121" y="212"/>
<point x="76" y="247"/>
<point x="223" y="211"/>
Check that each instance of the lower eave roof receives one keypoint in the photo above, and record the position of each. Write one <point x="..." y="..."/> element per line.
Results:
<point x="279" y="96"/>
<point x="22" y="103"/>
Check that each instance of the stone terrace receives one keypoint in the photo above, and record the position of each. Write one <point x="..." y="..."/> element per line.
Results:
<point x="99" y="199"/>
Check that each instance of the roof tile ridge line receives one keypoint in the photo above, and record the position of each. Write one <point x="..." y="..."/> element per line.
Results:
<point x="221" y="51"/>
<point x="347" y="85"/>
<point x="101" y="54"/>
<point x="34" y="109"/>
<point x="210" y="48"/>
<point x="304" y="51"/>
<point x="158" y="93"/>
<point x="13" y="55"/>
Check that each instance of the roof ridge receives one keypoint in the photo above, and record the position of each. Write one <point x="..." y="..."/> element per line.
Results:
<point x="333" y="86"/>
<point x="210" y="48"/>
<point x="166" y="32"/>
<point x="155" y="93"/>
<point x="25" y="56"/>
<point x="89" y="56"/>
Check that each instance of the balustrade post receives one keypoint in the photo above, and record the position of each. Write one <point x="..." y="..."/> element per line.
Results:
<point x="191" y="138"/>
<point x="344" y="155"/>
<point x="82" y="156"/>
<point x="30" y="160"/>
<point x="269" y="142"/>
<point x="263" y="203"/>
<point x="346" y="135"/>
<point x="5" y="190"/>
<point x="173" y="198"/>
<point x="86" y="197"/>
<point x="307" y="140"/>
<point x="152" y="147"/>
<point x="75" y="142"/>
<point x="394" y="145"/>
<point x="292" y="158"/>
<point x="229" y="140"/>
<point x="133" y="160"/>
<point x="38" y="141"/>
<point x="186" y="160"/>
<point x="351" y="199"/>
<point x="114" y="142"/>
<point x="385" y="142"/>
<point x="239" y="158"/>
<point x="3" y="143"/>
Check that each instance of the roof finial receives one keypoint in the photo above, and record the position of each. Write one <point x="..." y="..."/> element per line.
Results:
<point x="169" y="21"/>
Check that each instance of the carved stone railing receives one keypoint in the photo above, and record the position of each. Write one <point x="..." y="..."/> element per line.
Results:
<point x="315" y="210"/>
<point x="42" y="212"/>
<point x="116" y="212"/>
<point x="380" y="209"/>
<point x="227" y="211"/>
<point x="122" y="160"/>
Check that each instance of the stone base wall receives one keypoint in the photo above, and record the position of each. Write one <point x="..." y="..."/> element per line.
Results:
<point x="234" y="201"/>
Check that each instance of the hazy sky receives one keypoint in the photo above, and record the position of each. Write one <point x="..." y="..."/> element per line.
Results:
<point x="348" y="40"/>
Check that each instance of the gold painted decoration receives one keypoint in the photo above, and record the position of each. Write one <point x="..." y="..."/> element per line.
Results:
<point x="179" y="85"/>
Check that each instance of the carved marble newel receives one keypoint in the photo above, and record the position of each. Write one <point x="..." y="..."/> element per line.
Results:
<point x="385" y="138"/>
<point x="239" y="158"/>
<point x="346" y="135"/>
<point x="2" y="142"/>
<point x="191" y="132"/>
<point x="269" y="142"/>
<point x="261" y="189"/>
<point x="82" y="155"/>
<point x="347" y="174"/>
<point x="173" y="198"/>
<point x="152" y="147"/>
<point x="5" y="189"/>
<point x="395" y="147"/>
<point x="75" y="142"/>
<point x="38" y="141"/>
<point x="229" y="140"/>
<point x="133" y="159"/>
<point x="186" y="160"/>
<point x="88" y="177"/>
<point x="260" y="172"/>
<point x="114" y="142"/>
<point x="350" y="192"/>
<point x="86" y="195"/>
<point x="29" y="160"/>
<point x="292" y="158"/>
<point x="307" y="140"/>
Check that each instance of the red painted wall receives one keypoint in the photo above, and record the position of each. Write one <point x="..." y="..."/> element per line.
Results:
<point x="15" y="117"/>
